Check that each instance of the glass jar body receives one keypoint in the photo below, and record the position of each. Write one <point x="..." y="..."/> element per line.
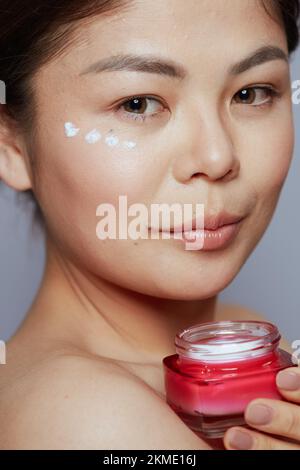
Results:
<point x="212" y="396"/>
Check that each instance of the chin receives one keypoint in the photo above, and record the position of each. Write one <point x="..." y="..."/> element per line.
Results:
<point x="199" y="287"/>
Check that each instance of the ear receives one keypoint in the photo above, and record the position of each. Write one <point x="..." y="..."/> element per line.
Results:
<point x="14" y="167"/>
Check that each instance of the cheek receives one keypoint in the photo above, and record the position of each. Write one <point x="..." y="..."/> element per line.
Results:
<point x="265" y="165"/>
<point x="78" y="172"/>
<point x="268" y="156"/>
<point x="74" y="177"/>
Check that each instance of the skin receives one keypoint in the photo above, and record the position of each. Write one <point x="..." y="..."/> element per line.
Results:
<point x="107" y="301"/>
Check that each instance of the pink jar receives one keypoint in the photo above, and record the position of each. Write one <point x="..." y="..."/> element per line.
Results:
<point x="218" y="369"/>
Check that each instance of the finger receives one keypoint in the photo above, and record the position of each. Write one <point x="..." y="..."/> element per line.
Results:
<point x="274" y="417"/>
<point x="241" y="439"/>
<point x="288" y="383"/>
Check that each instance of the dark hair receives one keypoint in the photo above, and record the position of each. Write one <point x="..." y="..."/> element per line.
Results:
<point x="34" y="31"/>
<point x="288" y="11"/>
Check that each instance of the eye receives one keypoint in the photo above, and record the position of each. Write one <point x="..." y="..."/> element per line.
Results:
<point x="262" y="95"/>
<point x="141" y="108"/>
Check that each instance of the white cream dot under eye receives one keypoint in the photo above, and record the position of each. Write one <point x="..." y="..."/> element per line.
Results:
<point x="129" y="144"/>
<point x="71" y="130"/>
<point x="93" y="136"/>
<point x="112" y="140"/>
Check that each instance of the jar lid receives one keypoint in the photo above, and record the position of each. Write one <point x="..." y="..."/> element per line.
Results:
<point x="227" y="340"/>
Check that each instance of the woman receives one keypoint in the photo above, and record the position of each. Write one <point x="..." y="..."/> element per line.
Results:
<point x="163" y="102"/>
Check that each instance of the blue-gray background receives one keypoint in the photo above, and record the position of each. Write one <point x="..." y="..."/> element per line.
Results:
<point x="269" y="282"/>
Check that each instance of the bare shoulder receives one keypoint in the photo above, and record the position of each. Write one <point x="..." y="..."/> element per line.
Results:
<point x="228" y="311"/>
<point x="81" y="403"/>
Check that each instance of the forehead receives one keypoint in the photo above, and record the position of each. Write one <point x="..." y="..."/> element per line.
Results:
<point x="192" y="32"/>
<point x="201" y="21"/>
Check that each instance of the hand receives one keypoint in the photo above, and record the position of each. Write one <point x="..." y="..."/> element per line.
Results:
<point x="278" y="418"/>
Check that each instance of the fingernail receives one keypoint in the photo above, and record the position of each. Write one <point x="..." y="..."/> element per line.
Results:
<point x="240" y="440"/>
<point x="259" y="414"/>
<point x="288" y="380"/>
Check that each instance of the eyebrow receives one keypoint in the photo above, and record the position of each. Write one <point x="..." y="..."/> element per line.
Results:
<point x="169" y="68"/>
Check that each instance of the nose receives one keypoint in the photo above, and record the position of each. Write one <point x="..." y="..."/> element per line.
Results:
<point x="205" y="149"/>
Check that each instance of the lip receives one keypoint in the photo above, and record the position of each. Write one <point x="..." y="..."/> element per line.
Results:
<point x="209" y="240"/>
<point x="218" y="231"/>
<point x="212" y="222"/>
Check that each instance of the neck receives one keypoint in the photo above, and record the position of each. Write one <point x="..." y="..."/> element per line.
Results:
<point x="105" y="319"/>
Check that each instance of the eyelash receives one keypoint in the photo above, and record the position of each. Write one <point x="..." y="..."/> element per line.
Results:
<point x="135" y="116"/>
<point x="273" y="94"/>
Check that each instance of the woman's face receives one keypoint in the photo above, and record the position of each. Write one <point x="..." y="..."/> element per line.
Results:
<point x="197" y="140"/>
